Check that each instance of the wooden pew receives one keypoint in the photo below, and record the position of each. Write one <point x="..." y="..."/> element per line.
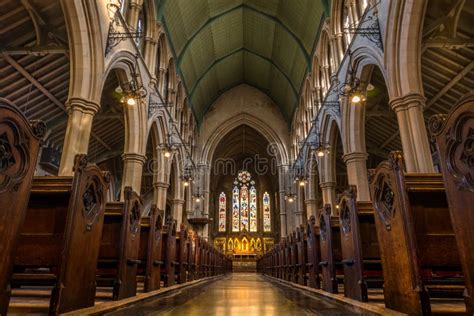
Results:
<point x="198" y="259"/>
<point x="191" y="255"/>
<point x="19" y="146"/>
<point x="181" y="259"/>
<point x="355" y="286"/>
<point x="415" y="235"/>
<point x="330" y="249"/>
<point x="168" y="252"/>
<point x="302" y="255"/>
<point x="314" y="253"/>
<point x="61" y="234"/>
<point x="204" y="258"/>
<point x="287" y="258"/>
<point x="293" y="251"/>
<point x="360" y="249"/>
<point x="120" y="245"/>
<point x="277" y="261"/>
<point x="454" y="134"/>
<point x="150" y="249"/>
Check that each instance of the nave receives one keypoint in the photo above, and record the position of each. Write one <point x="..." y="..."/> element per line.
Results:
<point x="153" y="147"/>
<point x="241" y="294"/>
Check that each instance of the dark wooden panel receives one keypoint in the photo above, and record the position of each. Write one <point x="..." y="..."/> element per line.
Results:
<point x="19" y="146"/>
<point x="414" y="231"/>
<point x="62" y="231"/>
<point x="454" y="135"/>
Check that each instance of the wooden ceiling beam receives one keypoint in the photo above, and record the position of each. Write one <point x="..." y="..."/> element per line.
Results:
<point x="450" y="84"/>
<point x="45" y="91"/>
<point x="36" y="50"/>
<point x="390" y="139"/>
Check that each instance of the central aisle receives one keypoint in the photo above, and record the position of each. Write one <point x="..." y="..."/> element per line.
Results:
<point x="243" y="294"/>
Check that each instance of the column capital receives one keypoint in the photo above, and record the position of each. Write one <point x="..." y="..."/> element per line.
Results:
<point x="134" y="157"/>
<point x="354" y="156"/>
<point x="309" y="201"/>
<point x="153" y="81"/>
<point x="162" y="185"/>
<point x="407" y="101"/>
<point x="135" y="4"/>
<point x="82" y="105"/>
<point x="327" y="185"/>
<point x="178" y="201"/>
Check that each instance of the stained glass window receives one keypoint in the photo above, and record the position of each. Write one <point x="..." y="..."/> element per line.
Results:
<point x="267" y="221"/>
<point x="244" y="205"/>
<point x="235" y="209"/>
<point x="253" y="209"/>
<point x="222" y="211"/>
<point x="244" y="208"/>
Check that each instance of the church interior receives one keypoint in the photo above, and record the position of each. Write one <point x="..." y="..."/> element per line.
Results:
<point x="236" y="157"/>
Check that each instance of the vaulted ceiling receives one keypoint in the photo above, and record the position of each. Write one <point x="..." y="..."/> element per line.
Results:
<point x="219" y="44"/>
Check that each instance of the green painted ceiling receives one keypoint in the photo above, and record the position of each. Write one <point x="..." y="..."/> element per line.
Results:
<point x="219" y="44"/>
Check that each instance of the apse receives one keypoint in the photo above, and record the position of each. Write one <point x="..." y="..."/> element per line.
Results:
<point x="243" y="189"/>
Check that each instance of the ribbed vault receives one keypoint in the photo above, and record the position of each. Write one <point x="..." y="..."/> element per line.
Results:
<point x="219" y="44"/>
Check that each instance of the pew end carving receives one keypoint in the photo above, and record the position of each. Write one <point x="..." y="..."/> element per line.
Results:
<point x="19" y="146"/>
<point x="454" y="137"/>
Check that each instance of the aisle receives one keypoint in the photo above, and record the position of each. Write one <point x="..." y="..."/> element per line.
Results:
<point x="239" y="294"/>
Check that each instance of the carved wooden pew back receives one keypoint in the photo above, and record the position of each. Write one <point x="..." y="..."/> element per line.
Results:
<point x="62" y="232"/>
<point x="415" y="234"/>
<point x="150" y="249"/>
<point x="314" y="253"/>
<point x="302" y="255"/>
<point x="355" y="286"/>
<point x="120" y="245"/>
<point x="454" y="135"/>
<point x="19" y="146"/>
<point x="181" y="259"/>
<point x="330" y="249"/>
<point x="168" y="250"/>
<point x="191" y="255"/>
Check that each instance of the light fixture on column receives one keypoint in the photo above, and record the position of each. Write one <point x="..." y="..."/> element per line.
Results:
<point x="170" y="145"/>
<point x="118" y="31"/>
<point x="369" y="27"/>
<point x="299" y="175"/>
<point x="134" y="89"/>
<point x="320" y="148"/>
<point x="290" y="197"/>
<point x="198" y="196"/>
<point x="187" y="177"/>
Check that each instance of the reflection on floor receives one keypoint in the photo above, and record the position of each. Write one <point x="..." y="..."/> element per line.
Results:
<point x="239" y="294"/>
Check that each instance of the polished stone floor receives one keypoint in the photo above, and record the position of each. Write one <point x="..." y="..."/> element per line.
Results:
<point x="239" y="294"/>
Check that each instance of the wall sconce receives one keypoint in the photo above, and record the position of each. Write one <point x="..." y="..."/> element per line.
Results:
<point x="115" y="35"/>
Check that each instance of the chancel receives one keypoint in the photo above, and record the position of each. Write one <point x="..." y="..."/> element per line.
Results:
<point x="237" y="157"/>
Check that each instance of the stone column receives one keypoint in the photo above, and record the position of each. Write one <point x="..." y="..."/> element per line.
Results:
<point x="355" y="12"/>
<point x="132" y="171"/>
<point x="339" y="46"/>
<point x="329" y="194"/>
<point x="299" y="210"/>
<point x="205" y="177"/>
<point x="282" y="171"/>
<point x="76" y="141"/>
<point x="311" y="208"/>
<point x="415" y="143"/>
<point x="161" y="189"/>
<point x="177" y="211"/>
<point x="356" y="163"/>
<point x="134" y="8"/>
